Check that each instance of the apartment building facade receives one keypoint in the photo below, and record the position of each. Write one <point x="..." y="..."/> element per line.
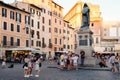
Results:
<point x="46" y="26"/>
<point x="68" y="37"/>
<point x="57" y="27"/>
<point x="111" y="36"/>
<point x="14" y="29"/>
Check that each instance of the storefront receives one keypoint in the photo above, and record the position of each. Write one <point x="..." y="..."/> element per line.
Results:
<point x="18" y="53"/>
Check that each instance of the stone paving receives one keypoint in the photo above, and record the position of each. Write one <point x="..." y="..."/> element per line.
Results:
<point x="46" y="73"/>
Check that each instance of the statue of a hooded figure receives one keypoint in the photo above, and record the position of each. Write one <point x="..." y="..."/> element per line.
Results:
<point x="85" y="17"/>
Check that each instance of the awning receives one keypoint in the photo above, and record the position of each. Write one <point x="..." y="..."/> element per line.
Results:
<point x="23" y="49"/>
<point x="19" y="49"/>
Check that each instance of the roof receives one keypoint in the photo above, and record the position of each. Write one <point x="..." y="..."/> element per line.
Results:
<point x="13" y="7"/>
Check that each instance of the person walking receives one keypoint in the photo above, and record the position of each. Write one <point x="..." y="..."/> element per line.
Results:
<point x="4" y="62"/>
<point x="116" y="61"/>
<point x="37" y="68"/>
<point x="25" y="66"/>
<point x="30" y="66"/>
<point x="111" y="61"/>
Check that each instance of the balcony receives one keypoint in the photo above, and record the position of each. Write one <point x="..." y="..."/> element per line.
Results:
<point x="9" y="44"/>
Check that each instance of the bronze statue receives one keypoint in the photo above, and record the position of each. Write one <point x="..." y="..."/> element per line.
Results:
<point x="85" y="17"/>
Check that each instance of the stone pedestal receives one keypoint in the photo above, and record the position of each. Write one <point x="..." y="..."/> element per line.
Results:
<point x="85" y="44"/>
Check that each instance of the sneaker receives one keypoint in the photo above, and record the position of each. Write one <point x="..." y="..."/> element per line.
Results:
<point x="36" y="75"/>
<point x="31" y="74"/>
<point x="28" y="75"/>
<point x="25" y="75"/>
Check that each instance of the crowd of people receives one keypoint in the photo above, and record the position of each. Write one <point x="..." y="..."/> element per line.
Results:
<point x="67" y="61"/>
<point x="109" y="60"/>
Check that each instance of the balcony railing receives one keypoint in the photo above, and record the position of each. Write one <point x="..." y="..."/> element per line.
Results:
<point x="9" y="44"/>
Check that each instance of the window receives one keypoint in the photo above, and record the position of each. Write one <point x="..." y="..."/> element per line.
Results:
<point x="60" y="41"/>
<point x="11" y="15"/>
<point x="4" y="40"/>
<point x="43" y="20"/>
<point x="27" y="43"/>
<point x="18" y="42"/>
<point x="4" y="12"/>
<point x="68" y="46"/>
<point x="18" y="28"/>
<point x="32" y="11"/>
<point x="27" y="19"/>
<point x="5" y="25"/>
<point x="27" y="30"/>
<point x="43" y="28"/>
<point x="64" y="31"/>
<point x="32" y="23"/>
<point x="43" y="10"/>
<point x="68" y="32"/>
<point x="55" y="30"/>
<point x="12" y="27"/>
<point x="111" y="49"/>
<point x="49" y="30"/>
<point x="49" y="13"/>
<point x="32" y="42"/>
<point x="38" y="25"/>
<point x="105" y="49"/>
<point x="32" y="33"/>
<point x="97" y="40"/>
<point x="11" y="41"/>
<point x="18" y="17"/>
<point x="55" y="20"/>
<point x="38" y="13"/>
<point x="64" y="46"/>
<point x="38" y="35"/>
<point x="43" y="40"/>
<point x="49" y="22"/>
<point x="55" y="40"/>
<point x="92" y="24"/>
<point x="39" y="43"/>
<point x="60" y="31"/>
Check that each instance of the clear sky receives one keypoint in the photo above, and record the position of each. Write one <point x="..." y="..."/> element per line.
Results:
<point x="109" y="8"/>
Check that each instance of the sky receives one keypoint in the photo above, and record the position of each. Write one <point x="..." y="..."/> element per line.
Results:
<point x="109" y="8"/>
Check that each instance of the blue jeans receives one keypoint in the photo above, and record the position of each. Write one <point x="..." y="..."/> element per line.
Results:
<point x="82" y="61"/>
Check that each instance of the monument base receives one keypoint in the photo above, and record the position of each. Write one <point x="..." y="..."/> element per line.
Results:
<point x="89" y="60"/>
<point x="85" y="44"/>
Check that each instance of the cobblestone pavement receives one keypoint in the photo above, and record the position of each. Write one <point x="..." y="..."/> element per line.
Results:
<point x="46" y="73"/>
